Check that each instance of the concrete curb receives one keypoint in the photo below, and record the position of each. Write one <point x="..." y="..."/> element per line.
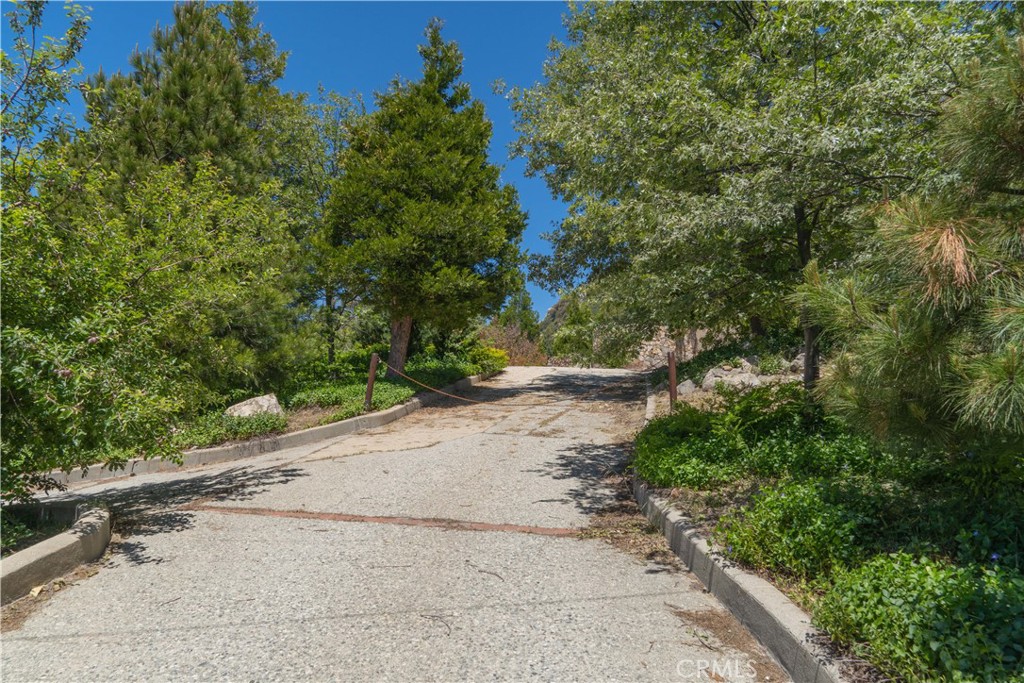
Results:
<point x="774" y="619"/>
<point x="41" y="563"/>
<point x="652" y="404"/>
<point x="267" y="444"/>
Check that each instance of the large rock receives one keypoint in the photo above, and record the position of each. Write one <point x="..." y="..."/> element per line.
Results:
<point x="798" y="364"/>
<point x="712" y="376"/>
<point x="686" y="388"/>
<point x="739" y="378"/>
<point x="253" y="406"/>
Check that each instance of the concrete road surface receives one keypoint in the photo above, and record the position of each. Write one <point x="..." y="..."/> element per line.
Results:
<point x="445" y="546"/>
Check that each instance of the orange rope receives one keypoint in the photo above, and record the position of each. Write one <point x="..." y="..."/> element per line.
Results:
<point x="487" y="404"/>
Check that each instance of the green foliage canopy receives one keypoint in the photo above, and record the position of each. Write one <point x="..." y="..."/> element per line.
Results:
<point x="421" y="220"/>
<point x="710" y="150"/>
<point x="201" y="89"/>
<point x="110" y="332"/>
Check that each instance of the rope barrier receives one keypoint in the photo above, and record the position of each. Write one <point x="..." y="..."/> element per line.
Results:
<point x="487" y="404"/>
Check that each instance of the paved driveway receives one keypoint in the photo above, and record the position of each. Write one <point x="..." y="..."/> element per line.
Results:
<point x="445" y="546"/>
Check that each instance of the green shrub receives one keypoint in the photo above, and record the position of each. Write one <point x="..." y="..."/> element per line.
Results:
<point x="13" y="531"/>
<point x="798" y="453"/>
<point x="694" y="463"/>
<point x="349" y="367"/>
<point x="349" y="398"/>
<point x="387" y="393"/>
<point x="217" y="428"/>
<point x="766" y="409"/>
<point x="488" y="359"/>
<point x="793" y="528"/>
<point x="995" y="528"/>
<point x="670" y="429"/>
<point x="767" y="432"/>
<point x="930" y="621"/>
<point x="327" y="394"/>
<point x="771" y="364"/>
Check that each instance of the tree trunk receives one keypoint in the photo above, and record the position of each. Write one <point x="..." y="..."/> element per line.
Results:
<point x="329" y="323"/>
<point x="401" y="332"/>
<point x="811" y="332"/>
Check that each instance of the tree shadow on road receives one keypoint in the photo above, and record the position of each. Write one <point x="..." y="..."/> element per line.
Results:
<point x="565" y="384"/>
<point x="588" y="465"/>
<point x="162" y="507"/>
<point x="604" y="493"/>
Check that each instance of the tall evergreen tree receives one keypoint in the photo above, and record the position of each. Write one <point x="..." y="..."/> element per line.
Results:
<point x="518" y="312"/>
<point x="420" y="218"/>
<point x="204" y="93"/>
<point x="312" y="137"/>
<point x="195" y="92"/>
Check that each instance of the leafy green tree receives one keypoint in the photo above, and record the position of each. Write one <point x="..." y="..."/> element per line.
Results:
<point x="37" y="77"/>
<point x="519" y="313"/>
<point x="425" y="228"/>
<point x="310" y="162"/>
<point x="930" y="328"/>
<point x="112" y="314"/>
<point x="204" y="93"/>
<point x="710" y="151"/>
<point x="574" y="339"/>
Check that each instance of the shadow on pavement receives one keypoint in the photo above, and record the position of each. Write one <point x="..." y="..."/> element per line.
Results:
<point x="161" y="507"/>
<point x="589" y="465"/>
<point x="561" y="385"/>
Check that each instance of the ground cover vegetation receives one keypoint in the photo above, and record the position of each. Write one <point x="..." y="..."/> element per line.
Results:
<point x="852" y="174"/>
<point x="199" y="239"/>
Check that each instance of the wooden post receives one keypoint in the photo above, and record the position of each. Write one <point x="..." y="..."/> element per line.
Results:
<point x="673" y="395"/>
<point x="368" y="403"/>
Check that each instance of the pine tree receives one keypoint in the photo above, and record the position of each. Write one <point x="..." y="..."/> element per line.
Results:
<point x="931" y="330"/>
<point x="420" y="218"/>
<point x="519" y="313"/>
<point x="194" y="93"/>
<point x="204" y="93"/>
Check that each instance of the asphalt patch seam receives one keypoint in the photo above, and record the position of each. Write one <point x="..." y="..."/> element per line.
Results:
<point x="431" y="522"/>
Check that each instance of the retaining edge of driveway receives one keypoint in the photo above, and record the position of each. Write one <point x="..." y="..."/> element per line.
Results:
<point x="774" y="619"/>
<point x="42" y="562"/>
<point x="265" y="444"/>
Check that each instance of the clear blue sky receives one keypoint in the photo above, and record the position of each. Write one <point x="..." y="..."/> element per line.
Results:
<point x="362" y="46"/>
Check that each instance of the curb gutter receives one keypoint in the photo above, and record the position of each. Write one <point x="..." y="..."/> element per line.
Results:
<point x="774" y="619"/>
<point x="267" y="444"/>
<point x="41" y="563"/>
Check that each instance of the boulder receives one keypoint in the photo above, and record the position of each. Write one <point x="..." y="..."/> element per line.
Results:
<point x="712" y="376"/>
<point x="253" y="406"/>
<point x="685" y="388"/>
<point x="739" y="379"/>
<point x="798" y="364"/>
